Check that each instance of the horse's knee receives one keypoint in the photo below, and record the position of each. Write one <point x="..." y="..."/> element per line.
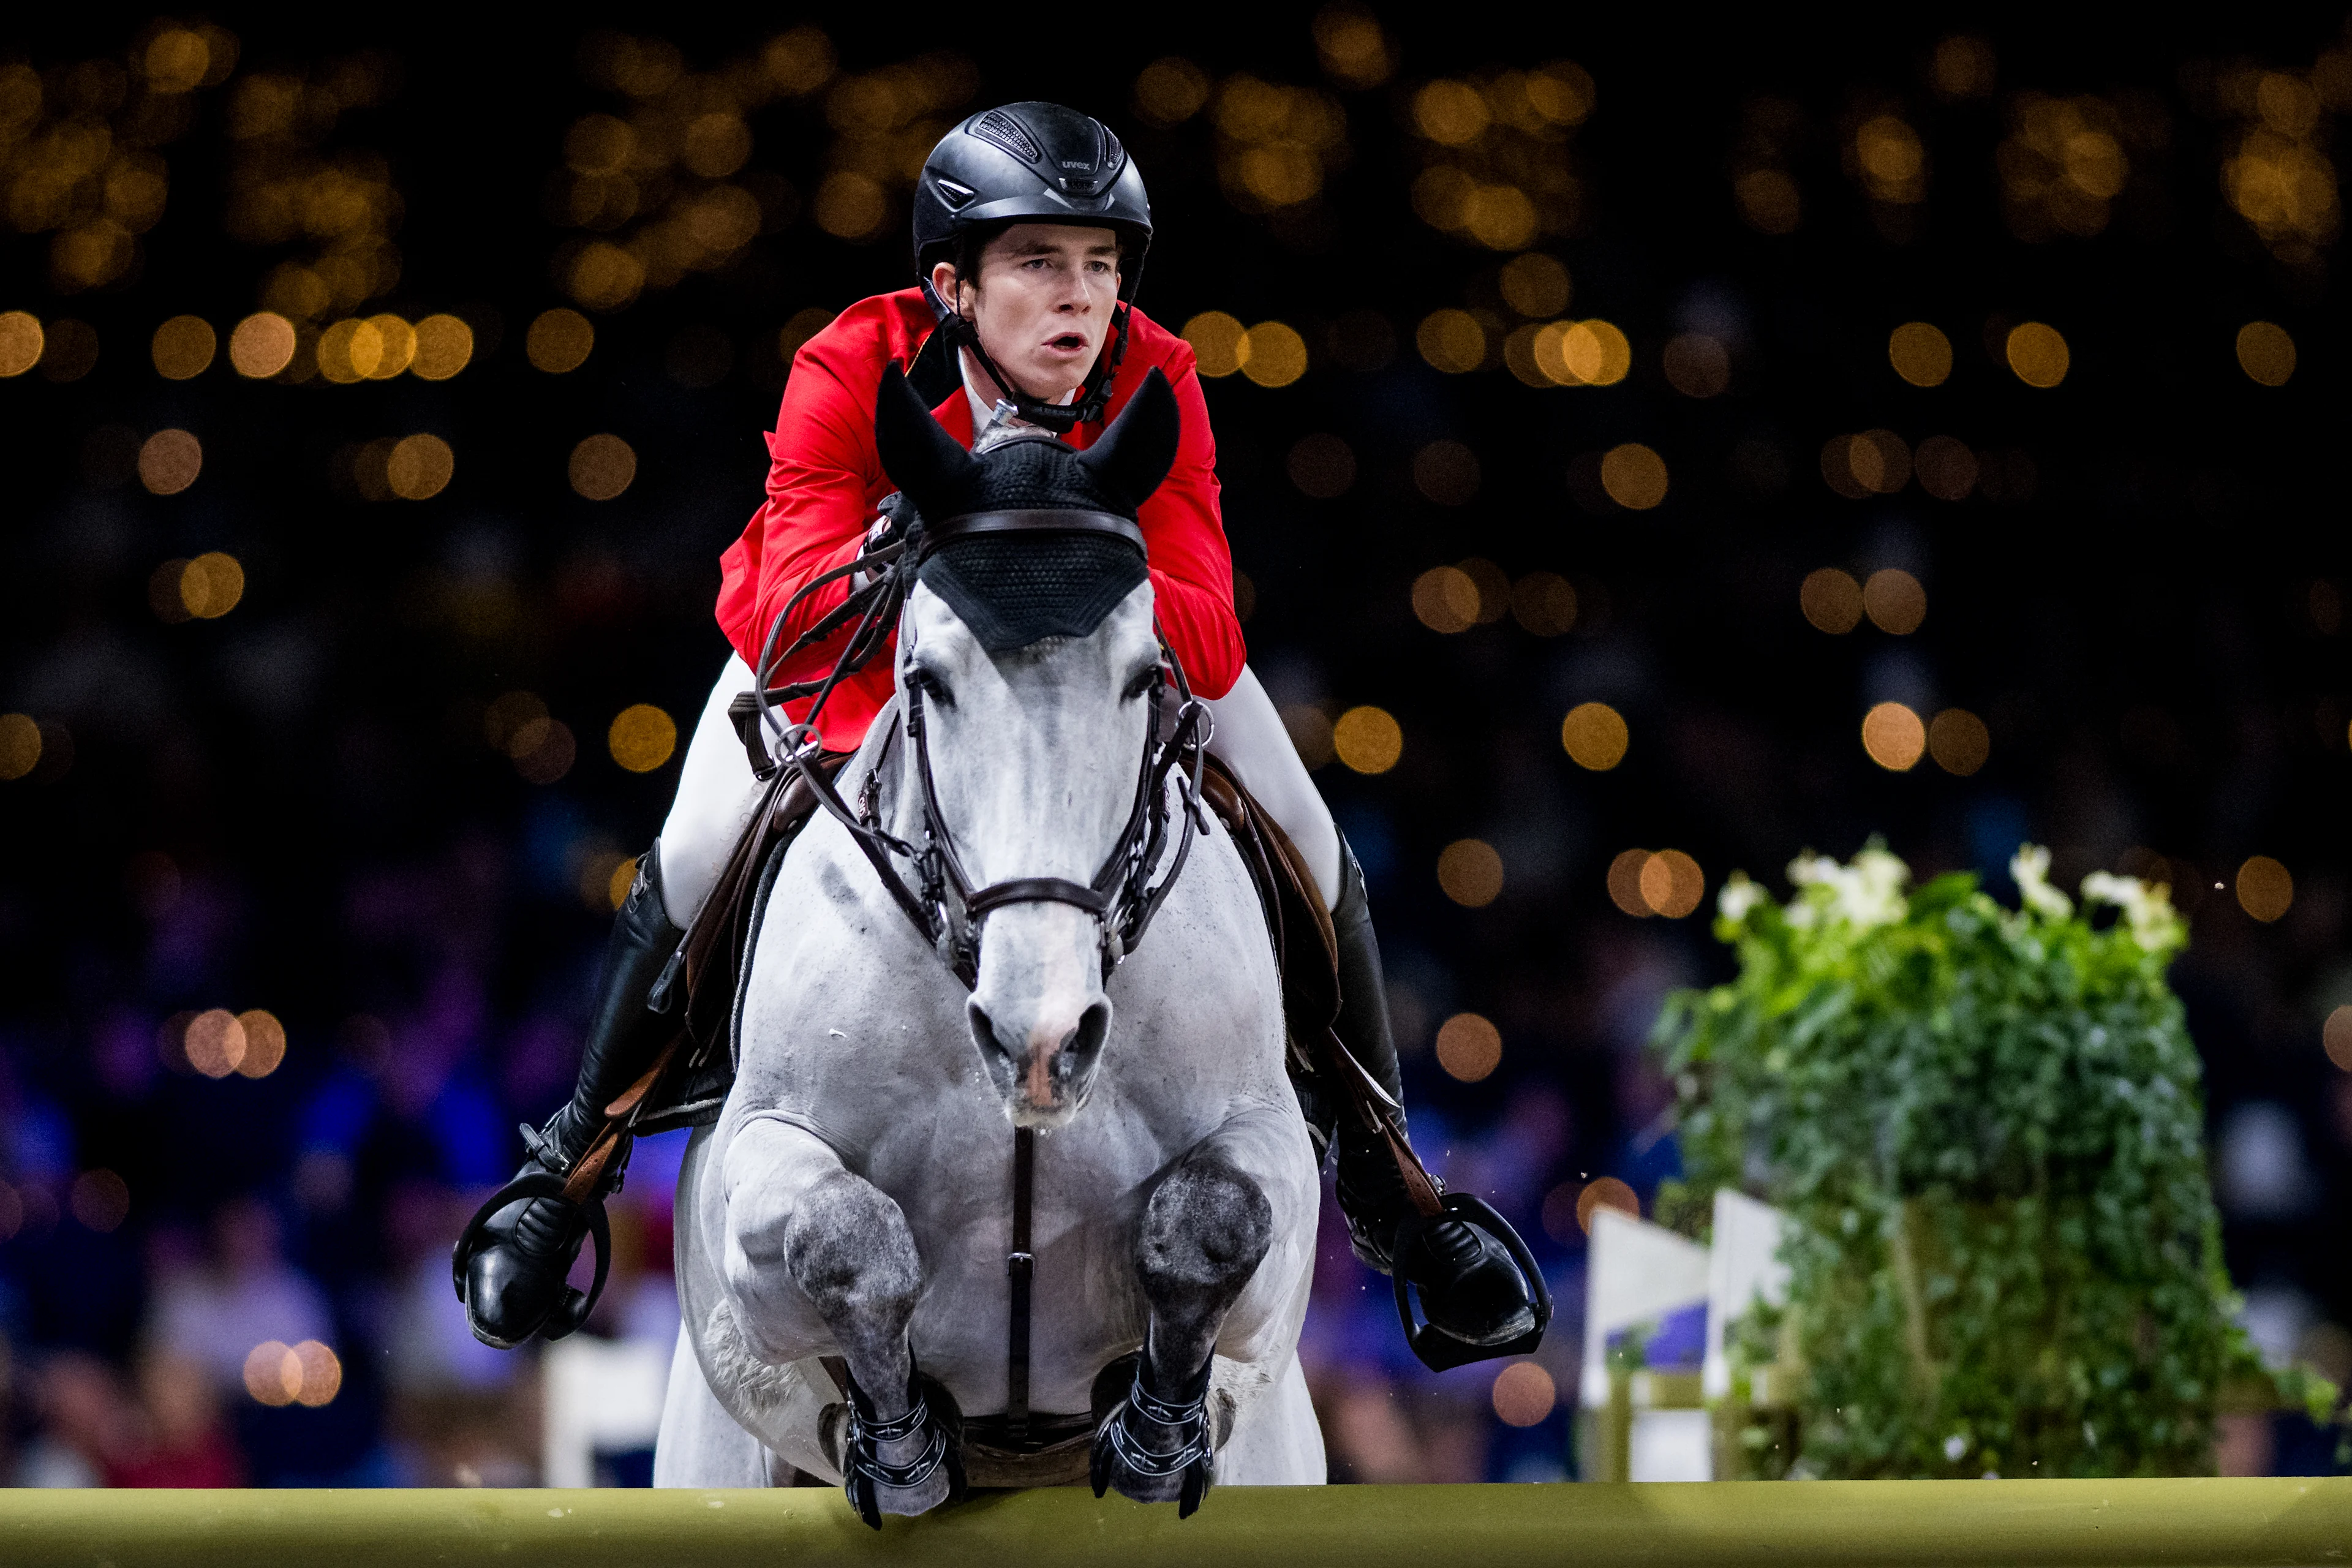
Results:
<point x="848" y="1248"/>
<point x="1204" y="1232"/>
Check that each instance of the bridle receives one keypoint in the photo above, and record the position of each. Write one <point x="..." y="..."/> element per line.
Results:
<point x="1142" y="868"/>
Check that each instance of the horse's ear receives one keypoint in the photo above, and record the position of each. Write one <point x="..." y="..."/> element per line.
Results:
<point x="921" y="459"/>
<point x="1135" y="453"/>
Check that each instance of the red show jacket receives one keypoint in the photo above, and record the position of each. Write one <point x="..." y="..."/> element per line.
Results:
<point x="825" y="480"/>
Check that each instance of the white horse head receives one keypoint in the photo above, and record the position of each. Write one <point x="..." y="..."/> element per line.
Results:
<point x="1033" y="759"/>
<point x="1030" y="654"/>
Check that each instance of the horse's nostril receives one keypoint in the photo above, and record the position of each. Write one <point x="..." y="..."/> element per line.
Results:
<point x="983" y="1031"/>
<point x="1094" y="1025"/>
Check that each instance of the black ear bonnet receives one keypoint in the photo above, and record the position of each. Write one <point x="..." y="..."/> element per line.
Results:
<point x="1013" y="585"/>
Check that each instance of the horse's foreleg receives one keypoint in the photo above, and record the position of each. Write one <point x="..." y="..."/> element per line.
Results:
<point x="801" y="1223"/>
<point x="1207" y="1227"/>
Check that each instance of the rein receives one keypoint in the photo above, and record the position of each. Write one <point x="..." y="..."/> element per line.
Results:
<point x="943" y="905"/>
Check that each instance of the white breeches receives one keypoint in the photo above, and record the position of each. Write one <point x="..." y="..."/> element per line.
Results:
<point x="717" y="792"/>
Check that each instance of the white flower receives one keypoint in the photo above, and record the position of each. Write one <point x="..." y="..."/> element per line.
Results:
<point x="2147" y="910"/>
<point x="1866" y="894"/>
<point x="1739" y="897"/>
<point x="2031" y="867"/>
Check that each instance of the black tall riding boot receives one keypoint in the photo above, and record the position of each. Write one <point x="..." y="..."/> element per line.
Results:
<point x="1469" y="1286"/>
<point x="513" y="1278"/>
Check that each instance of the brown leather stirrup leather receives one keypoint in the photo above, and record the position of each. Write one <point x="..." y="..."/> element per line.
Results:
<point x="1306" y="953"/>
<point x="711" y="957"/>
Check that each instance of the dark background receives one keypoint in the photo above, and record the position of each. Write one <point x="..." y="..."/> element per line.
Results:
<point x="294" y="807"/>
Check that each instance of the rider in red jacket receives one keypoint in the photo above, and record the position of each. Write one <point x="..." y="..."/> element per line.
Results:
<point x="1031" y="229"/>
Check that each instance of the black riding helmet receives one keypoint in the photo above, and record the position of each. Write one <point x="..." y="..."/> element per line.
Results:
<point x="1032" y="163"/>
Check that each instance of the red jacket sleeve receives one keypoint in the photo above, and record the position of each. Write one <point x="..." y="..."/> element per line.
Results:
<point x="1183" y="527"/>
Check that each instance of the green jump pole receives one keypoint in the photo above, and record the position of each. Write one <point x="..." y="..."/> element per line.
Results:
<point x="2264" y="1523"/>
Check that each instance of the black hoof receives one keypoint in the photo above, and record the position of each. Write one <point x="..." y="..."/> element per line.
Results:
<point x="1155" y="1450"/>
<point x="932" y="1426"/>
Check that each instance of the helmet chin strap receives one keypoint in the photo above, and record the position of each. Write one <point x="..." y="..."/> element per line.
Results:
<point x="1061" y="418"/>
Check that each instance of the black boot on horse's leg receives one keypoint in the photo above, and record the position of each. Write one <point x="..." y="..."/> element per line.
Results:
<point x="1470" y="1288"/>
<point x="1205" y="1230"/>
<point x="512" y="1276"/>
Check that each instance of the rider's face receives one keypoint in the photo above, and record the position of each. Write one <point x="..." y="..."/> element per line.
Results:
<point x="1043" y="304"/>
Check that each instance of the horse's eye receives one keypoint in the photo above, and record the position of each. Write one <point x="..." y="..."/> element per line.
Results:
<point x="1140" y="685"/>
<point x="931" y="687"/>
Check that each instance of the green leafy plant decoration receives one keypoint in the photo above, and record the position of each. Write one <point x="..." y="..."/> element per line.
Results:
<point x="1987" y="1127"/>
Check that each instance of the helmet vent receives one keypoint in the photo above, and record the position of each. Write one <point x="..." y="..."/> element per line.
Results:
<point x="954" y="195"/>
<point x="1002" y="130"/>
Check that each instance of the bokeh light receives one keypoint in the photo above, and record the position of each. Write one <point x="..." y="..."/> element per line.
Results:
<point x="1469" y="1048"/>
<point x="1470" y="872"/>
<point x="1523" y="1395"/>
<point x="1595" y="353"/>
<point x="2335" y="1037"/>
<point x="169" y="461"/>
<point x="1595" y="736"/>
<point x="214" y="1042"/>
<point x="1535" y="285"/>
<point x="444" y="345"/>
<point x="1959" y="741"/>
<point x="1445" y="599"/>
<point x="1321" y="466"/>
<point x="1697" y="366"/>
<point x="2265" y="888"/>
<point x="1945" y="467"/>
<point x="1274" y="355"/>
<point x="1450" y="341"/>
<point x="276" y="1373"/>
<point x="1894" y="736"/>
<point x="419" y="467"/>
<point x="1545" y="603"/>
<point x="1832" y="600"/>
<point x="1920" y="354"/>
<point x="1605" y="1193"/>
<point x="641" y="738"/>
<point x="1895" y="601"/>
<point x="21" y="340"/>
<point x="1446" y="471"/>
<point x="1672" y="884"/>
<point x="1367" y="739"/>
<point x="262" y="345"/>
<point x="20" y="746"/>
<point x="264" y="1043"/>
<point x="2038" y="354"/>
<point x="559" y="341"/>
<point x="2265" y="352"/>
<point x="1220" y="342"/>
<point x="395" y="348"/>
<point x="100" y="1200"/>
<point x="603" y="467"/>
<point x="1625" y="882"/>
<point x="543" y="750"/>
<point x="211" y="585"/>
<point x="1169" y="91"/>
<point x="182" y="347"/>
<point x="1634" y="476"/>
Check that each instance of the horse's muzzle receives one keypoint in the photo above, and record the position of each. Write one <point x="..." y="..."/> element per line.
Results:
<point x="1042" y="1065"/>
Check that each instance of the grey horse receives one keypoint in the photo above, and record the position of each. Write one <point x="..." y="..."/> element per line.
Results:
<point x="843" y="1229"/>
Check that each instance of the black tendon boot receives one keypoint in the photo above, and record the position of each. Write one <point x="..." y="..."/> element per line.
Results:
<point x="509" y="1270"/>
<point x="1470" y="1288"/>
